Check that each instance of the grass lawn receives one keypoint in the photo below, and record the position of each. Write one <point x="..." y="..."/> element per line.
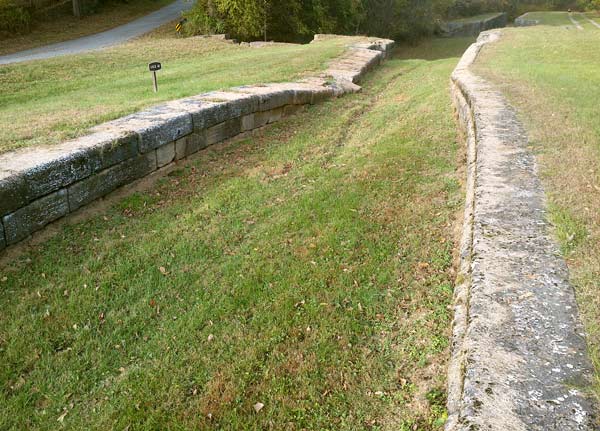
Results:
<point x="307" y="268"/>
<point x="49" y="101"/>
<point x="66" y="27"/>
<point x="552" y="76"/>
<point x="551" y="18"/>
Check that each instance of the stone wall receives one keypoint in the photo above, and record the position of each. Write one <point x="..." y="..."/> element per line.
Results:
<point x="40" y="185"/>
<point x="519" y="358"/>
<point x="525" y="21"/>
<point x="473" y="28"/>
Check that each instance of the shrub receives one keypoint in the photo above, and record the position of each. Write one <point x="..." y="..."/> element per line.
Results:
<point x="14" y="19"/>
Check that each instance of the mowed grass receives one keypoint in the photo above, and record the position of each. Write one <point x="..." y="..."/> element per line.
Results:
<point x="556" y="19"/>
<point x="552" y="76"/>
<point x="49" y="101"/>
<point x="65" y="26"/>
<point x="307" y="268"/>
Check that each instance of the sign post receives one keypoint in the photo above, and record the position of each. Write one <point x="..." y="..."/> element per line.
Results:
<point x="153" y="67"/>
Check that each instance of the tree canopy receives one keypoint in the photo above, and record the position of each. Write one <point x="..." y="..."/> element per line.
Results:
<point x="299" y="20"/>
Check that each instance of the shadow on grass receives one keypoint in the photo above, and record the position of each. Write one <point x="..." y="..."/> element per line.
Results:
<point x="434" y="49"/>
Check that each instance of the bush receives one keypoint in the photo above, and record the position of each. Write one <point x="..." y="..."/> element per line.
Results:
<point x="14" y="19"/>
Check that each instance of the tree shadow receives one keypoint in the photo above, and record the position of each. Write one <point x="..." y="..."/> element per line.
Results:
<point x="434" y="49"/>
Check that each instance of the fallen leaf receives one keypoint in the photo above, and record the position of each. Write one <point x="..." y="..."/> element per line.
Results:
<point x="258" y="407"/>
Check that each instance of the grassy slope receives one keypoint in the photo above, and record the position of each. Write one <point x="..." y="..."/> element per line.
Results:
<point x="46" y="102"/>
<point x="552" y="76"/>
<point x="61" y="28"/>
<point x="307" y="268"/>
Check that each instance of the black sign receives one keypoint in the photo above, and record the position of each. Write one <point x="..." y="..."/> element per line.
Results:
<point x="154" y="66"/>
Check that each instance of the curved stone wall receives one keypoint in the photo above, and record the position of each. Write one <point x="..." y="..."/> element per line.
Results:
<point x="40" y="185"/>
<point x="519" y="359"/>
<point x="473" y="28"/>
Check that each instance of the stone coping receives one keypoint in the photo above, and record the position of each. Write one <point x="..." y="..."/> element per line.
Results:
<point x="41" y="184"/>
<point x="525" y="21"/>
<point x="519" y="357"/>
<point x="473" y="28"/>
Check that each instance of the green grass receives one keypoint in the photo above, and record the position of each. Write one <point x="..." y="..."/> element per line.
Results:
<point x="552" y="76"/>
<point x="63" y="27"/>
<point x="49" y="101"/>
<point x="550" y="18"/>
<point x="308" y="268"/>
<point x="561" y="19"/>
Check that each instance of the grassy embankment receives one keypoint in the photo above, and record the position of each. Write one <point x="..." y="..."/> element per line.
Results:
<point x="49" y="101"/>
<point x="307" y="268"/>
<point x="66" y="27"/>
<point x="552" y="75"/>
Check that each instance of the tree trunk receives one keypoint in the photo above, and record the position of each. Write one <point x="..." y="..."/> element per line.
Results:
<point x="77" y="8"/>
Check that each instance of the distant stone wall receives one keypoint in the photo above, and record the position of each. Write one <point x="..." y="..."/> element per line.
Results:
<point x="41" y="185"/>
<point x="525" y="21"/>
<point x="464" y="29"/>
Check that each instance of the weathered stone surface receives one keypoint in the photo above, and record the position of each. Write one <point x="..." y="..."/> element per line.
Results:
<point x="353" y="65"/>
<point x="33" y="217"/>
<point x="473" y="28"/>
<point x="155" y="127"/>
<point x="223" y="131"/>
<point x="190" y="144"/>
<point x="525" y="21"/>
<point x="232" y="104"/>
<point x="519" y="358"/>
<point x="165" y="154"/>
<point x="2" y="238"/>
<point x="270" y="96"/>
<point x="104" y="182"/>
<point x="32" y="173"/>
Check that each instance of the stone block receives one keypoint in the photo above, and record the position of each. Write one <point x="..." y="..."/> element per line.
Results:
<point x="223" y="106"/>
<point x="189" y="145"/>
<point x="155" y="127"/>
<point x="248" y="122"/>
<point x="270" y="96"/>
<point x="104" y="182"/>
<point x="32" y="173"/>
<point x="222" y="131"/>
<point x="23" y="222"/>
<point x="2" y="238"/>
<point x="274" y="115"/>
<point x="165" y="154"/>
<point x="292" y="109"/>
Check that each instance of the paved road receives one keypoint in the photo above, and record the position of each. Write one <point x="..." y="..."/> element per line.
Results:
<point x="105" y="39"/>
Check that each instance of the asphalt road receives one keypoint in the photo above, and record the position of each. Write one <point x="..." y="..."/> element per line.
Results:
<point x="105" y="39"/>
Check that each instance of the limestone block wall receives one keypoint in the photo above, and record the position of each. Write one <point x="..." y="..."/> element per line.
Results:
<point x="525" y="21"/>
<point x="459" y="28"/>
<point x="519" y="358"/>
<point x="41" y="185"/>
